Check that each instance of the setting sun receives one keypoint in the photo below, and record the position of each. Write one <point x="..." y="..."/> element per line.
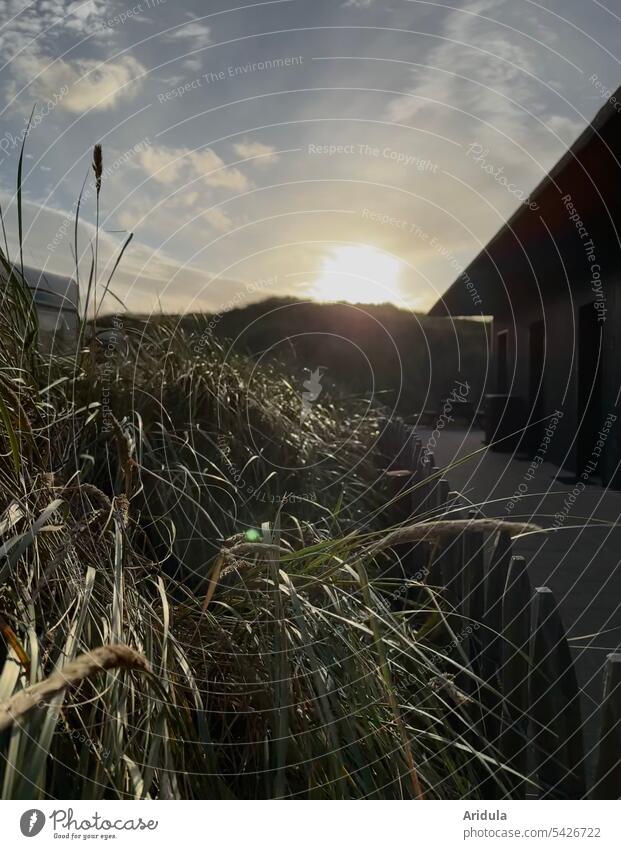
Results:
<point x="359" y="274"/>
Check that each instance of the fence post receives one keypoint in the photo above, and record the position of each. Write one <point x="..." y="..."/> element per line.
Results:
<point x="514" y="674"/>
<point x="417" y="450"/>
<point x="494" y="588"/>
<point x="449" y="564"/>
<point x="554" y="701"/>
<point x="607" y="784"/>
<point x="491" y="656"/>
<point x="444" y="491"/>
<point x="473" y="578"/>
<point x="406" y="441"/>
<point x="420" y="495"/>
<point x="398" y="481"/>
<point x="454" y="498"/>
<point x="403" y="453"/>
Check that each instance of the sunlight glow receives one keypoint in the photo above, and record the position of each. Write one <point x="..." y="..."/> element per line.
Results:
<point x="358" y="274"/>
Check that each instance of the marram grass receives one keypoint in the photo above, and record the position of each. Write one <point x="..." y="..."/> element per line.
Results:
<point x="171" y="625"/>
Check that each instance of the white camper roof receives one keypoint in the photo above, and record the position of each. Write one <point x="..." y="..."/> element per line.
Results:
<point x="51" y="290"/>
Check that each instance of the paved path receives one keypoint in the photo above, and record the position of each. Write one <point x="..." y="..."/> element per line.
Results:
<point x="580" y="562"/>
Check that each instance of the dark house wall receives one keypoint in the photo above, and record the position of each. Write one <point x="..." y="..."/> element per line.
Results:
<point x="560" y="265"/>
<point x="566" y="256"/>
<point x="555" y="386"/>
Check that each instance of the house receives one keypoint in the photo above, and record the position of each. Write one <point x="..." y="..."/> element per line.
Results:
<point x="56" y="299"/>
<point x="551" y="280"/>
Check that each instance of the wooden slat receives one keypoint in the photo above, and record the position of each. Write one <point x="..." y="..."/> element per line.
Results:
<point x="420" y="495"/>
<point x="494" y="589"/>
<point x="450" y="561"/>
<point x="490" y="659"/>
<point x="516" y="613"/>
<point x="443" y="492"/>
<point x="403" y="456"/>
<point x="472" y="605"/>
<point x="554" y="697"/>
<point x="417" y="450"/>
<point x="473" y="577"/>
<point x="398" y="482"/>
<point x="607" y="783"/>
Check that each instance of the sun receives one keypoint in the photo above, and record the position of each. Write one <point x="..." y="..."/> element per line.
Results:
<point x="358" y="274"/>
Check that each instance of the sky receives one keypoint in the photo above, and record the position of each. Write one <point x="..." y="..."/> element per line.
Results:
<point x="363" y="150"/>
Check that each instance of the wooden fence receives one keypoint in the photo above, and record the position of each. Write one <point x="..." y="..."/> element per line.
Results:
<point x="509" y="640"/>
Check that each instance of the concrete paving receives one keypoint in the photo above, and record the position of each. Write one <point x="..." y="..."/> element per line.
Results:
<point x="579" y="559"/>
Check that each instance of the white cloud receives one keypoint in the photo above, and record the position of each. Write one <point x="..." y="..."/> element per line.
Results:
<point x="194" y="32"/>
<point x="219" y="220"/>
<point x="265" y="153"/>
<point x="26" y="24"/>
<point x="192" y="65"/>
<point x="189" y="37"/>
<point x="175" y="167"/>
<point x="79" y="85"/>
<point x="489" y="72"/>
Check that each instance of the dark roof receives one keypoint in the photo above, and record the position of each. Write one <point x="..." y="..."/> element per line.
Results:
<point x="589" y="172"/>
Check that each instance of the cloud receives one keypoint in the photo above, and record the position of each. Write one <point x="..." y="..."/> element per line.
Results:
<point x="219" y="220"/>
<point x="77" y="85"/>
<point x="37" y="25"/>
<point x="485" y="84"/>
<point x="193" y="31"/>
<point x="175" y="167"/>
<point x="265" y="153"/>
<point x="489" y="72"/>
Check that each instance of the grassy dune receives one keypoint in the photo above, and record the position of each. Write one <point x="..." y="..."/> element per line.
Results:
<point x="189" y="604"/>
